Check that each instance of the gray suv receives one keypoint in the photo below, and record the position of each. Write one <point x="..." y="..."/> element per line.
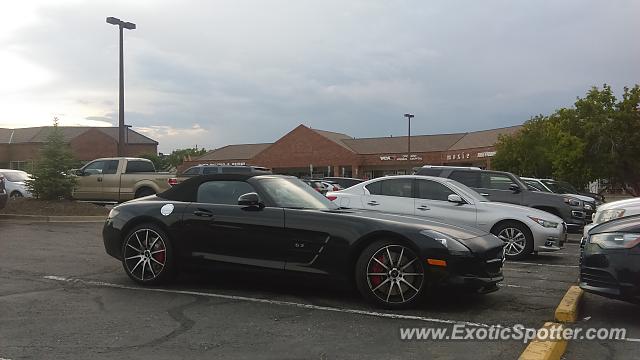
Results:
<point x="506" y="187"/>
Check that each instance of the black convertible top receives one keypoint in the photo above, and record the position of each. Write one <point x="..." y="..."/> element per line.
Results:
<point x="187" y="190"/>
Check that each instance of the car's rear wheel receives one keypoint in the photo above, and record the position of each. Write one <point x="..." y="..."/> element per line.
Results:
<point x="147" y="255"/>
<point x="390" y="274"/>
<point x="145" y="191"/>
<point x="16" y="194"/>
<point x="518" y="240"/>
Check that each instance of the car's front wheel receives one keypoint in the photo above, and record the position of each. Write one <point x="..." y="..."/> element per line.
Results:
<point x="390" y="274"/>
<point x="517" y="238"/>
<point x="147" y="255"/>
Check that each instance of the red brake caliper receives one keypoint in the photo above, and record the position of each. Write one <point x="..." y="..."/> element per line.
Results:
<point x="159" y="256"/>
<point x="377" y="268"/>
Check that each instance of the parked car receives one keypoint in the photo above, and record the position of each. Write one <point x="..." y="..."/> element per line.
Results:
<point x="344" y="181"/>
<point x="523" y="229"/>
<point x="120" y="179"/>
<point x="274" y="222"/>
<point x="560" y="187"/>
<point x="317" y="185"/>
<point x="206" y="169"/>
<point x="14" y="183"/>
<point x="331" y="185"/>
<point x="506" y="187"/>
<point x="614" y="210"/>
<point x="3" y="193"/>
<point x="609" y="263"/>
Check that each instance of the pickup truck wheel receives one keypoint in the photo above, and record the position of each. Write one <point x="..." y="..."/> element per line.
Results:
<point x="147" y="256"/>
<point x="145" y="191"/>
<point x="518" y="240"/>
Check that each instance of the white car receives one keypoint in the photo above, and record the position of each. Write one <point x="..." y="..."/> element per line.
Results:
<point x="14" y="183"/>
<point x="524" y="230"/>
<point x="614" y="210"/>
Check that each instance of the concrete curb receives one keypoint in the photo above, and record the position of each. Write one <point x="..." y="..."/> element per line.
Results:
<point x="567" y="310"/>
<point x="52" y="219"/>
<point x="547" y="349"/>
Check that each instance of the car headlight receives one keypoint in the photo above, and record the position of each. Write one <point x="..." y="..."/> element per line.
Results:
<point x="113" y="213"/>
<point x="607" y="215"/>
<point x="447" y="241"/>
<point x="544" y="223"/>
<point x="588" y="206"/>
<point x="572" y="201"/>
<point x="615" y="240"/>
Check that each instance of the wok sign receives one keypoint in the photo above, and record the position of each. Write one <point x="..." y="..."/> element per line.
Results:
<point x="399" y="157"/>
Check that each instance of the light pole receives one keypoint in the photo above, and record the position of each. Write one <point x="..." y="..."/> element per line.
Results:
<point x="409" y="116"/>
<point x="121" y="127"/>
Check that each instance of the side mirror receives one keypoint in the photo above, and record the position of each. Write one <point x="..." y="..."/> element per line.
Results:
<point x="455" y="198"/>
<point x="251" y="200"/>
<point x="77" y="172"/>
<point x="515" y="188"/>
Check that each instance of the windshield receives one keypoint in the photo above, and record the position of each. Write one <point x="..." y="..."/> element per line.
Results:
<point x="560" y="187"/>
<point x="535" y="186"/>
<point x="567" y="188"/>
<point x="293" y="193"/>
<point x="16" y="176"/>
<point x="468" y="191"/>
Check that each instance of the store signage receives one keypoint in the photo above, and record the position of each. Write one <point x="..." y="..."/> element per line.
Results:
<point x="459" y="156"/>
<point x="227" y="164"/>
<point x="486" y="154"/>
<point x="399" y="157"/>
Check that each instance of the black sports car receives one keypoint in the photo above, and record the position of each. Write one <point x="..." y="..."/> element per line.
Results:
<point x="279" y="222"/>
<point x="610" y="259"/>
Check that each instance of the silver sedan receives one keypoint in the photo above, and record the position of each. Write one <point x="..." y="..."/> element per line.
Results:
<point x="524" y="230"/>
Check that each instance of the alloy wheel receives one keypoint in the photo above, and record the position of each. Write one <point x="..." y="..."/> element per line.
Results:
<point x="394" y="274"/>
<point x="514" y="239"/>
<point x="145" y="254"/>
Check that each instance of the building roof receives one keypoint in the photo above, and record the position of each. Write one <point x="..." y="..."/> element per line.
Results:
<point x="483" y="138"/>
<point x="398" y="144"/>
<point x="40" y="134"/>
<point x="336" y="137"/>
<point x="234" y="152"/>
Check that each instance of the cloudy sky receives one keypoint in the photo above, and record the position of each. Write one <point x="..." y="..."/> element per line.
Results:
<point x="211" y="73"/>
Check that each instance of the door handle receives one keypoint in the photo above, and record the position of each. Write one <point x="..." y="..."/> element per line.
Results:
<point x="203" y="213"/>
<point x="99" y="179"/>
<point x="373" y="203"/>
<point x="485" y="194"/>
<point x="424" y="208"/>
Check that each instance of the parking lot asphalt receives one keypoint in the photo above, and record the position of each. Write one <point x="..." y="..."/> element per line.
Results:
<point x="61" y="296"/>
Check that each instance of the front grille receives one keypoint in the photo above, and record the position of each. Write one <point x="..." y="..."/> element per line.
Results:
<point x="598" y="278"/>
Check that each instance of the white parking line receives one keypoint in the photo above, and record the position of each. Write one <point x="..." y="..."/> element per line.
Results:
<point x="515" y="286"/>
<point x="267" y="301"/>
<point x="539" y="264"/>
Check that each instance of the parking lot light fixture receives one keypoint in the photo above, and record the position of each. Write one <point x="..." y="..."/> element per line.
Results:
<point x="121" y="127"/>
<point x="409" y="116"/>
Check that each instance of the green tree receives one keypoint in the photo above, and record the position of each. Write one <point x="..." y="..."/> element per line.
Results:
<point x="173" y="160"/>
<point x="595" y="139"/>
<point x="51" y="179"/>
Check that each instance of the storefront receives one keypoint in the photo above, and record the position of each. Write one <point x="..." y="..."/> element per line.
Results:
<point x="307" y="152"/>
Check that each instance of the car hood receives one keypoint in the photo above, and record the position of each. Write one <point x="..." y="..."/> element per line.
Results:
<point x="514" y="210"/>
<point x="456" y="231"/>
<point x="625" y="224"/>
<point x="584" y="198"/>
<point x="620" y="204"/>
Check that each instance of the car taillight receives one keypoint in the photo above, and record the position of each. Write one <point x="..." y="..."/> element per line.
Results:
<point x="173" y="181"/>
<point x="332" y="197"/>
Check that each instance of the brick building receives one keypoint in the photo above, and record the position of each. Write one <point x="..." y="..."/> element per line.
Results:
<point x="305" y="151"/>
<point x="19" y="148"/>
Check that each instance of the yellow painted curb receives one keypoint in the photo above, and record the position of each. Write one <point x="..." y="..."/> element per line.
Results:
<point x="567" y="311"/>
<point x="545" y="350"/>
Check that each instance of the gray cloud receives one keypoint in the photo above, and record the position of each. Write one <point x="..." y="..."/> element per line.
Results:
<point x="249" y="71"/>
